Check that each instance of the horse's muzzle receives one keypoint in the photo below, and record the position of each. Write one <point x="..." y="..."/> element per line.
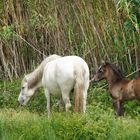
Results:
<point x="94" y="79"/>
<point x="20" y="102"/>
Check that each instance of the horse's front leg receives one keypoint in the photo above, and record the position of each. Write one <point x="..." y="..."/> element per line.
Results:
<point x="47" y="95"/>
<point x="118" y="107"/>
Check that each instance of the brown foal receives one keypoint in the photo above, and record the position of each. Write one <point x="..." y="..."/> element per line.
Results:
<point x="120" y="88"/>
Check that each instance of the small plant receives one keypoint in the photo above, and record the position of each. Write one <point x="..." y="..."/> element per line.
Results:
<point x="7" y="33"/>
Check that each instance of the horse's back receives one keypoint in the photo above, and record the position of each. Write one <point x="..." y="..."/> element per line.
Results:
<point x="136" y="87"/>
<point x="132" y="88"/>
<point x="60" y="73"/>
<point x="70" y="65"/>
<point x="67" y="65"/>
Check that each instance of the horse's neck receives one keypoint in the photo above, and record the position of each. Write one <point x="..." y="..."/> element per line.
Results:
<point x="35" y="78"/>
<point x="112" y="79"/>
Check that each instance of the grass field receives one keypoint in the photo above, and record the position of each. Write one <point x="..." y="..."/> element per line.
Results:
<point x="99" y="122"/>
<point x="95" y="30"/>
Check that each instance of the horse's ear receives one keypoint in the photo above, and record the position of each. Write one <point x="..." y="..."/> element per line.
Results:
<point x="107" y="62"/>
<point x="103" y="62"/>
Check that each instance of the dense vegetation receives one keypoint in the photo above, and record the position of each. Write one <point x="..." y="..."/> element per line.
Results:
<point x="98" y="123"/>
<point x="95" y="30"/>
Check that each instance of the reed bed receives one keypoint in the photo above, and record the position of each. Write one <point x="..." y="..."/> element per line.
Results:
<point x="95" y="30"/>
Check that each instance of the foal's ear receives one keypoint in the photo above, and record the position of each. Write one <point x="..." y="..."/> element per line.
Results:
<point x="103" y="62"/>
<point x="107" y="63"/>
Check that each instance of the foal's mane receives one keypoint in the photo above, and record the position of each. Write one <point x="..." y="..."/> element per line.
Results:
<point x="117" y="70"/>
<point x="35" y="77"/>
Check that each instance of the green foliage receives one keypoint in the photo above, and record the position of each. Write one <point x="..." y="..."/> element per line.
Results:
<point x="7" y="33"/>
<point x="96" y="97"/>
<point x="94" y="30"/>
<point x="99" y="122"/>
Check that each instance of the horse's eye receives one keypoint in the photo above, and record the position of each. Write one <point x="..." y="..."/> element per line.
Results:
<point x="22" y="87"/>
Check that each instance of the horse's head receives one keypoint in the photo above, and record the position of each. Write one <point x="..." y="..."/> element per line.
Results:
<point x="101" y="73"/>
<point x="107" y="70"/>
<point x="25" y="93"/>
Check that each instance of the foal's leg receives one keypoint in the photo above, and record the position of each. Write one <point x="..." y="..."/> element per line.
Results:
<point x="47" y="94"/>
<point x="121" y="108"/>
<point x="118" y="107"/>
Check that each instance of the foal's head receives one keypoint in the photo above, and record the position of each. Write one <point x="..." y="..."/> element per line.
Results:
<point x="108" y="70"/>
<point x="26" y="92"/>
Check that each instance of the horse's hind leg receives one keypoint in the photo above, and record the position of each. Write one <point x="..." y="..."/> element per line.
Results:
<point x="47" y="95"/>
<point x="61" y="104"/>
<point x="65" y="97"/>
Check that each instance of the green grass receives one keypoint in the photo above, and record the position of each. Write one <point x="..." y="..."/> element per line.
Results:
<point x="95" y="124"/>
<point x="99" y="122"/>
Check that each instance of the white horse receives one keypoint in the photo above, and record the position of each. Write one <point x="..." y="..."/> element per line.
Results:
<point x="59" y="76"/>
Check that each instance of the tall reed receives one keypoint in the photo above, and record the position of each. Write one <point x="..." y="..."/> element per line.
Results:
<point x="95" y="30"/>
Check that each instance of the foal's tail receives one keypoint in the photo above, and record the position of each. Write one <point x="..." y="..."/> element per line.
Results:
<point x="79" y="91"/>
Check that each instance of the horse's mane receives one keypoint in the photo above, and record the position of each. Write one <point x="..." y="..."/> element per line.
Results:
<point x="35" y="77"/>
<point x="117" y="70"/>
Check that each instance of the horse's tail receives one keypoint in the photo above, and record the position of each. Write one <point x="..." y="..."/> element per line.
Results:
<point x="79" y="90"/>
